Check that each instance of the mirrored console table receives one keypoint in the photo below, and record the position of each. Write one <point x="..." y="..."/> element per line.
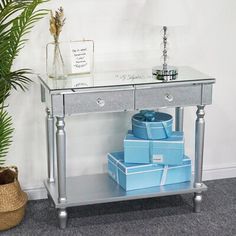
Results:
<point x="118" y="91"/>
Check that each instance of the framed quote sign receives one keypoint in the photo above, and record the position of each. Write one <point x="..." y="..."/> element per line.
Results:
<point x="82" y="56"/>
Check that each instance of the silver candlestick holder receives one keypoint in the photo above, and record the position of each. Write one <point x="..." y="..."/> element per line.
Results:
<point x="165" y="72"/>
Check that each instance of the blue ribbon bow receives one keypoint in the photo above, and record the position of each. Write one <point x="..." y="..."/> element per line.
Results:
<point x="147" y="115"/>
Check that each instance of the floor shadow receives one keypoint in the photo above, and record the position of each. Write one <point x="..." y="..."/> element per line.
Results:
<point x="130" y="210"/>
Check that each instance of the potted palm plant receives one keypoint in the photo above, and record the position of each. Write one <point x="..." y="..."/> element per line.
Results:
<point x="16" y="20"/>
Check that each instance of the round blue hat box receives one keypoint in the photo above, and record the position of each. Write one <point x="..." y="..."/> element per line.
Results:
<point x="152" y="125"/>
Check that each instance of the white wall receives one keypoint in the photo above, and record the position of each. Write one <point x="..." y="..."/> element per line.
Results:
<point x="121" y="37"/>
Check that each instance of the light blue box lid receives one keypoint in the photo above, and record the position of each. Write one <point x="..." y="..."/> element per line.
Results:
<point x="117" y="158"/>
<point x="130" y="138"/>
<point x="176" y="141"/>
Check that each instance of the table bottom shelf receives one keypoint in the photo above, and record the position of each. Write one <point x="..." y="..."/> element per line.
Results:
<point x="100" y="188"/>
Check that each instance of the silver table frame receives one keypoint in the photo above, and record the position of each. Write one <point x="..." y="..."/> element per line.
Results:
<point x="60" y="103"/>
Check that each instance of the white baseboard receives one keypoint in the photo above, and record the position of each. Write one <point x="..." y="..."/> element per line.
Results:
<point x="219" y="173"/>
<point x="208" y="174"/>
<point x="36" y="193"/>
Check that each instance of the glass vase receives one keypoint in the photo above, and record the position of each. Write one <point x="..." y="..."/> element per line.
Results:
<point x="55" y="62"/>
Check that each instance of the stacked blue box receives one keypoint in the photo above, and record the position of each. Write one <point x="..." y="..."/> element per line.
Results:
<point x="136" y="176"/>
<point x="153" y="154"/>
<point x="169" y="151"/>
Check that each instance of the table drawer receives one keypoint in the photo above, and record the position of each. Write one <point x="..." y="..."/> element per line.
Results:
<point x="168" y="96"/>
<point x="100" y="101"/>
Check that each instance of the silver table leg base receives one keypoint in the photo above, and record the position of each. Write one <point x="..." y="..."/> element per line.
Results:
<point x="62" y="217"/>
<point x="197" y="200"/>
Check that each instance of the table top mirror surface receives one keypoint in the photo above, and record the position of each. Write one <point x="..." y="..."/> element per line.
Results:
<point x="122" y="78"/>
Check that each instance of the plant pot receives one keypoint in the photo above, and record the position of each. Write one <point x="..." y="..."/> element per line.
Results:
<point x="12" y="199"/>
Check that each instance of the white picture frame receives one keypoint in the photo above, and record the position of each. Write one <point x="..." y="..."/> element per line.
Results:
<point x="82" y="57"/>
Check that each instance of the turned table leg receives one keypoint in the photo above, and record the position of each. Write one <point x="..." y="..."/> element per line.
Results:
<point x="50" y="146"/>
<point x="61" y="166"/>
<point x="199" y="147"/>
<point x="50" y="150"/>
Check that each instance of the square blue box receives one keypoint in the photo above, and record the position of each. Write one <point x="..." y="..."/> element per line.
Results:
<point x="168" y="151"/>
<point x="136" y="176"/>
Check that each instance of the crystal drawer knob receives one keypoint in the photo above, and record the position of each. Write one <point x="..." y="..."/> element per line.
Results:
<point x="100" y="102"/>
<point x="169" y="97"/>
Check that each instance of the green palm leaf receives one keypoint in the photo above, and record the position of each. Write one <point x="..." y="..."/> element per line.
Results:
<point x="4" y="90"/>
<point x="9" y="7"/>
<point x="22" y="26"/>
<point x="17" y="17"/>
<point x="6" y="131"/>
<point x="12" y="35"/>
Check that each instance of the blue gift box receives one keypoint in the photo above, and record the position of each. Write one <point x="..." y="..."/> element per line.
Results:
<point x="152" y="125"/>
<point x="168" y="151"/>
<point x="136" y="176"/>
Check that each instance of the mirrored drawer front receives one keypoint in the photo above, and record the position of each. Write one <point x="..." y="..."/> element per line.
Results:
<point x="103" y="101"/>
<point x="168" y="97"/>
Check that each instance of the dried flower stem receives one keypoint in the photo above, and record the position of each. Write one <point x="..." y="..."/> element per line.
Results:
<point x="57" y="21"/>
